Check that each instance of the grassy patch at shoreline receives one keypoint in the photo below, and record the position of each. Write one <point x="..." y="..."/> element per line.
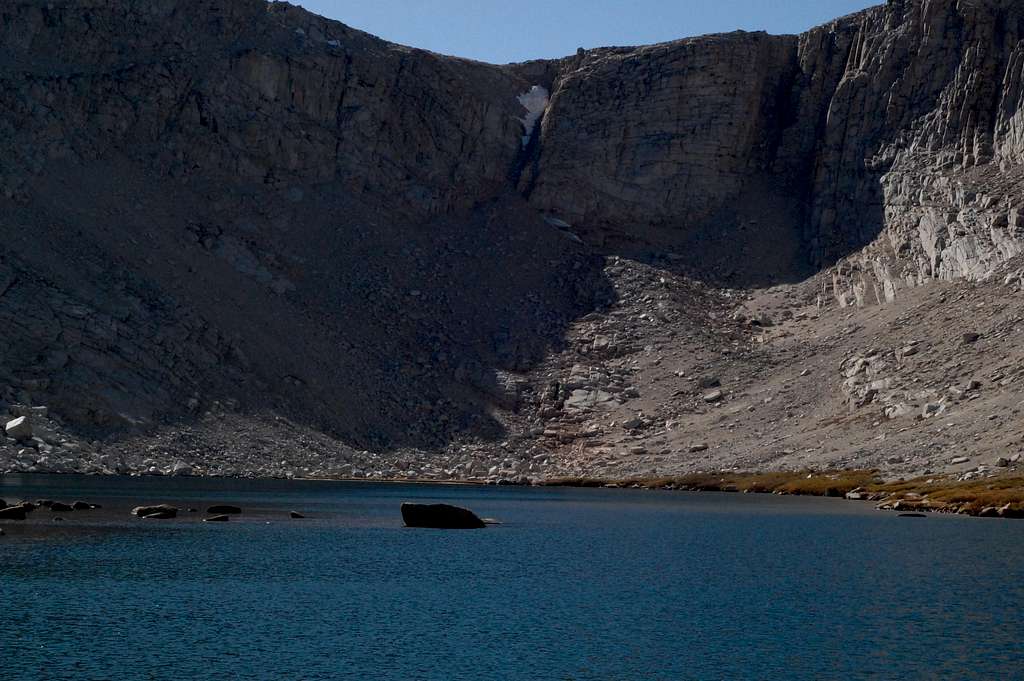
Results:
<point x="998" y="496"/>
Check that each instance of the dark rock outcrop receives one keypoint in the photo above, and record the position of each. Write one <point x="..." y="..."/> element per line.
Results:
<point x="440" y="516"/>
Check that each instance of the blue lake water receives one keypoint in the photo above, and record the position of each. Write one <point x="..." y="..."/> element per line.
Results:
<point x="576" y="584"/>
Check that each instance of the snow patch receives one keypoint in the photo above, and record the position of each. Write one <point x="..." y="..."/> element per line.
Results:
<point x="535" y="101"/>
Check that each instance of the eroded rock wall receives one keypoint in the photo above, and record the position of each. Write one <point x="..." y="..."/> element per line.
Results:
<point x="250" y="92"/>
<point x="662" y="135"/>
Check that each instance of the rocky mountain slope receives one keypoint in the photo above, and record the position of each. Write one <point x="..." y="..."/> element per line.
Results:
<point x="244" y="239"/>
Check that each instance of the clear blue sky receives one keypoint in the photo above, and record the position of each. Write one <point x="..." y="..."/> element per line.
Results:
<point x="500" y="31"/>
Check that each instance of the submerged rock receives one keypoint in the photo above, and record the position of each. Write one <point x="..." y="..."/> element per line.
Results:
<point x="440" y="516"/>
<point x="296" y="515"/>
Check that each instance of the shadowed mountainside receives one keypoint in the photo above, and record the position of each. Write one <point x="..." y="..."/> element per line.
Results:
<point x="237" y="203"/>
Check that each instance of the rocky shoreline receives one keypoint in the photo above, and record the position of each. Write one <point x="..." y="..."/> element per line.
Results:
<point x="997" y="497"/>
<point x="35" y="442"/>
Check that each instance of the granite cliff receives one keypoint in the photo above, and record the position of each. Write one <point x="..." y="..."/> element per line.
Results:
<point x="256" y="241"/>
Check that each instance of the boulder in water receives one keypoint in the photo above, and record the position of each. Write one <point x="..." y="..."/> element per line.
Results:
<point x="222" y="509"/>
<point x="60" y="507"/>
<point x="159" y="512"/>
<point x="440" y="516"/>
<point x="1010" y="511"/>
<point x="81" y="506"/>
<point x="295" y="515"/>
<point x="13" y="513"/>
<point x="222" y="518"/>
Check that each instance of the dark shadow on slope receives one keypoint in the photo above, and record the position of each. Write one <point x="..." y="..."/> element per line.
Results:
<point x="757" y="246"/>
<point x="766" y="237"/>
<point x="443" y="315"/>
<point x="148" y="302"/>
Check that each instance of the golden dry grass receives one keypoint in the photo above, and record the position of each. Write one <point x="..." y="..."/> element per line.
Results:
<point x="827" y="483"/>
<point x="574" y="482"/>
<point x="937" y="493"/>
<point x="971" y="496"/>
